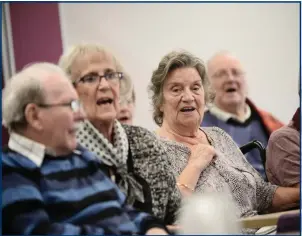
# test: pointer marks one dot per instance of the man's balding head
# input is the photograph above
(27, 86)
(227, 78)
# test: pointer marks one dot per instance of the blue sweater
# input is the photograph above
(66, 195)
(251, 130)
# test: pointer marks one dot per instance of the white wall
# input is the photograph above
(265, 36)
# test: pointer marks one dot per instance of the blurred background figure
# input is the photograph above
(127, 107)
(232, 111)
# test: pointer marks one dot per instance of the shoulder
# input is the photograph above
(268, 119)
(132, 130)
(216, 133)
(284, 136)
(222, 141)
(285, 131)
(141, 137)
(143, 143)
(15, 160)
(208, 116)
(18, 172)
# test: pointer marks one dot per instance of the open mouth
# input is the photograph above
(231, 90)
(103, 101)
(187, 109)
(124, 118)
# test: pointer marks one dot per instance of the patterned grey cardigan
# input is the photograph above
(146, 164)
(229, 171)
(149, 162)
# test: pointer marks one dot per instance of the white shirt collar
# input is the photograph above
(223, 115)
(32, 150)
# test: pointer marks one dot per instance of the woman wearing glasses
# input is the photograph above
(132, 156)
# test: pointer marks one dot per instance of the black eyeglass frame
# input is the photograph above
(119, 77)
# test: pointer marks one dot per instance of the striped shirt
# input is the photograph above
(63, 195)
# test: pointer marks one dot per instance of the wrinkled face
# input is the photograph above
(228, 80)
(59, 123)
(183, 98)
(125, 114)
(100, 98)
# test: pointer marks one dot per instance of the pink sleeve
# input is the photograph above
(283, 159)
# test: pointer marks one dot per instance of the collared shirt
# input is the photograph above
(31, 149)
(223, 115)
(62, 196)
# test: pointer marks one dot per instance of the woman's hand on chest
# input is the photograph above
(201, 155)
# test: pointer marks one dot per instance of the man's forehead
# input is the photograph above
(56, 85)
(224, 61)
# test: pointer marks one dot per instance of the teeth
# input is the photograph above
(188, 109)
(123, 118)
(104, 101)
(231, 90)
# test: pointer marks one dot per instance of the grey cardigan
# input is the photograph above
(229, 172)
(150, 163)
(146, 163)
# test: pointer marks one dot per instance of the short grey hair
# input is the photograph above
(170, 62)
(80, 51)
(24, 88)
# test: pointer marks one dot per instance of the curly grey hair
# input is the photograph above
(80, 52)
(170, 62)
(22, 89)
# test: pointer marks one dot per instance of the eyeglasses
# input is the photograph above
(75, 105)
(95, 78)
(224, 74)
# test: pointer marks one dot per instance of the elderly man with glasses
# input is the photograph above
(232, 111)
(51, 185)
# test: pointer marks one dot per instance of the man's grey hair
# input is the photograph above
(80, 52)
(24, 88)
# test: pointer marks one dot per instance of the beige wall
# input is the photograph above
(264, 35)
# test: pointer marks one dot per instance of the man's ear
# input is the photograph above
(32, 116)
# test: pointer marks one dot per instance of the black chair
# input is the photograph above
(252, 145)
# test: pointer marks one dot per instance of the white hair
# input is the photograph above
(79, 51)
(23, 88)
